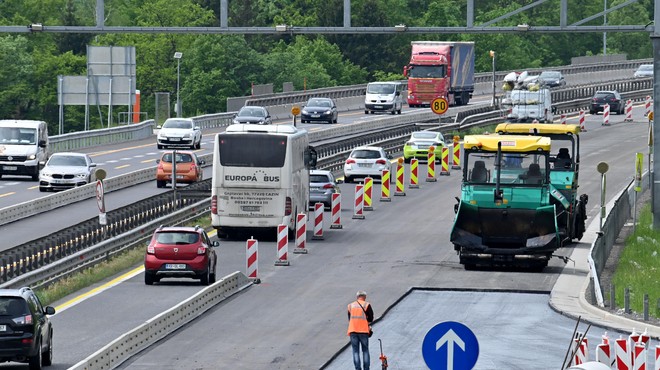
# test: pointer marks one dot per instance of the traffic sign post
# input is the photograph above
(295, 111)
(439, 106)
(450, 345)
(100, 201)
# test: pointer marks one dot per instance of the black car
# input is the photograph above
(251, 114)
(319, 109)
(552, 78)
(613, 98)
(26, 334)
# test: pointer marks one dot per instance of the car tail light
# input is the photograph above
(214, 204)
(27, 341)
(160, 166)
(328, 186)
(350, 161)
(287, 207)
(381, 161)
(151, 249)
(201, 250)
(23, 320)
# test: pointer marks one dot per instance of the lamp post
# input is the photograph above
(492, 55)
(177, 56)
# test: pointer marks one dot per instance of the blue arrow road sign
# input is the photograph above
(450, 345)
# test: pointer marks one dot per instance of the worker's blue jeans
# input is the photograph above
(357, 340)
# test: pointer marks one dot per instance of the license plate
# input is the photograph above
(378, 106)
(9, 168)
(179, 176)
(175, 266)
(364, 164)
(422, 146)
(316, 115)
(3, 327)
(250, 208)
(175, 139)
(315, 189)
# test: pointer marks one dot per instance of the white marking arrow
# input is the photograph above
(450, 338)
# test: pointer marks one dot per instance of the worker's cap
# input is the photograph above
(361, 293)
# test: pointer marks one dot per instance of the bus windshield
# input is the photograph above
(254, 150)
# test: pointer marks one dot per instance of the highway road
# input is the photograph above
(296, 318)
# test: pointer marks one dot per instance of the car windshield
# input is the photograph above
(365, 154)
(13, 307)
(380, 89)
(251, 112)
(177, 124)
(550, 75)
(67, 160)
(427, 71)
(177, 237)
(180, 158)
(18, 136)
(318, 178)
(319, 103)
(424, 135)
(604, 95)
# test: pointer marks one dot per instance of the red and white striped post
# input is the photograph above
(414, 164)
(629, 107)
(282, 245)
(639, 356)
(252, 263)
(456, 149)
(562, 118)
(622, 353)
(358, 212)
(581, 355)
(400, 184)
(445, 161)
(430, 165)
(581, 120)
(318, 221)
(603, 354)
(301, 234)
(606, 115)
(368, 191)
(385, 186)
(336, 211)
(656, 356)
(648, 105)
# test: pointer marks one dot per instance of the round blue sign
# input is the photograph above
(450, 345)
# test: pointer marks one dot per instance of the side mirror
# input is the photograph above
(157, 161)
(215, 244)
(42, 143)
(92, 164)
(554, 110)
(197, 128)
(389, 156)
(159, 126)
(48, 310)
(339, 181)
(398, 93)
(201, 162)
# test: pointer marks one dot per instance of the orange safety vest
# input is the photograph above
(358, 322)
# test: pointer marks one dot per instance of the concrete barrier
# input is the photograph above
(160, 326)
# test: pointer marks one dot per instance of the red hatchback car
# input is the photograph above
(180, 252)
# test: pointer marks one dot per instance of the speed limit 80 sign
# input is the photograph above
(439, 105)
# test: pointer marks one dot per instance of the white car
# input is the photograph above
(67, 170)
(179, 132)
(366, 161)
(644, 70)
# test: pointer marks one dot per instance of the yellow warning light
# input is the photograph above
(505, 201)
(473, 202)
(400, 160)
(650, 116)
(431, 148)
(456, 139)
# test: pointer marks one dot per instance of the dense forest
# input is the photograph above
(216, 66)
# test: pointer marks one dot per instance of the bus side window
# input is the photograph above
(310, 157)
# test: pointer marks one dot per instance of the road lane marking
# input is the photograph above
(122, 166)
(148, 160)
(116, 281)
(7, 194)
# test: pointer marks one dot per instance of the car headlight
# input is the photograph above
(261, 121)
(45, 173)
(81, 175)
(32, 156)
(328, 111)
(305, 111)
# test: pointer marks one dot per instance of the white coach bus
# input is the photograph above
(260, 177)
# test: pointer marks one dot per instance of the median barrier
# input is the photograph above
(160, 326)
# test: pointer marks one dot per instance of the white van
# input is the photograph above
(384, 97)
(23, 147)
(529, 106)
